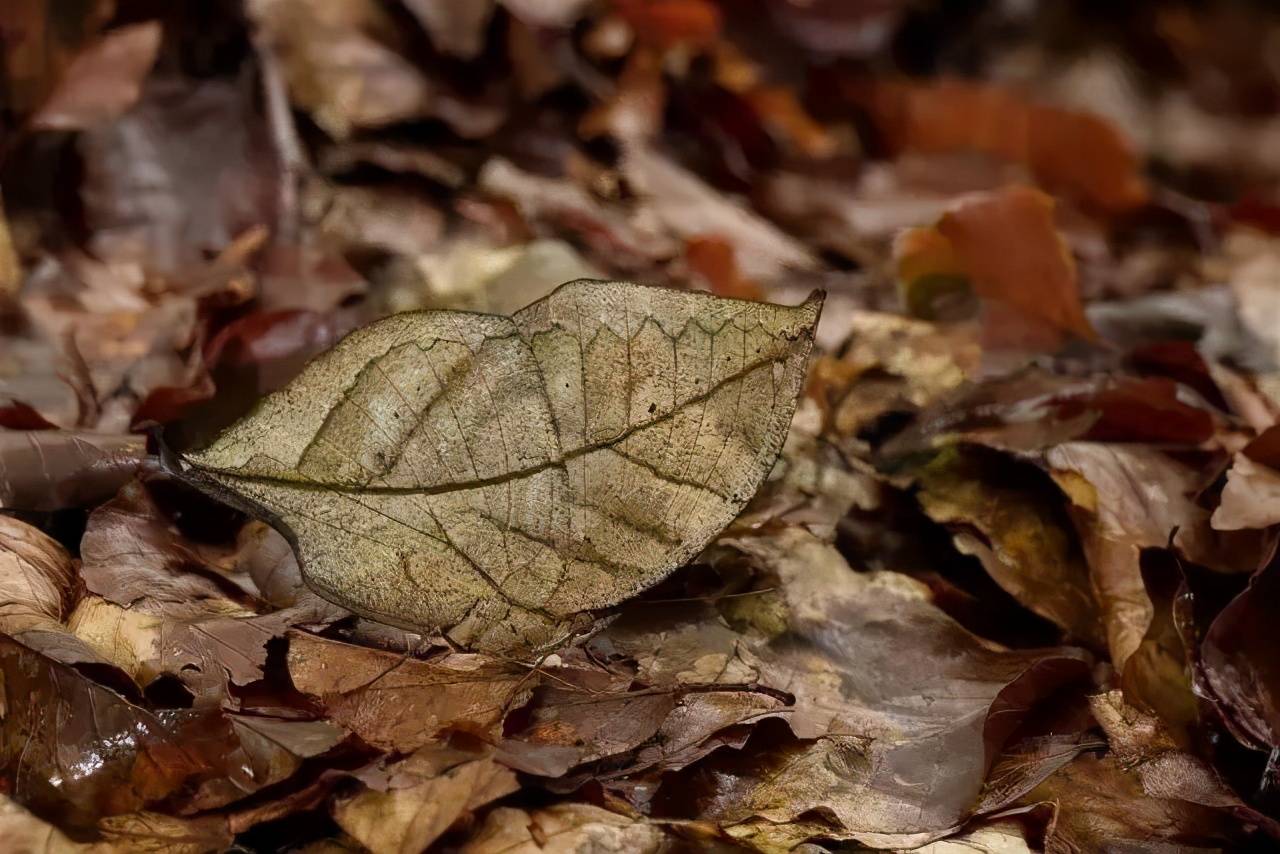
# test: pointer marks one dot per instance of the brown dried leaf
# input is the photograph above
(497, 478)
(1010, 249)
(902, 709)
(73, 748)
(103, 81)
(1239, 664)
(21, 832)
(1025, 540)
(1127, 498)
(399, 703)
(433, 790)
(197, 610)
(564, 827)
(42, 470)
(1075, 151)
(38, 588)
(1098, 805)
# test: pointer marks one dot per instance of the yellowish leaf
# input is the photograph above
(496, 477)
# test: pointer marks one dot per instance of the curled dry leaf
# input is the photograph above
(496, 477)
(1024, 538)
(898, 736)
(42, 470)
(37, 591)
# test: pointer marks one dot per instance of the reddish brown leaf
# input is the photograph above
(1010, 249)
(1074, 151)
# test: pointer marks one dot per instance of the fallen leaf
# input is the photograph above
(38, 589)
(1098, 804)
(1243, 676)
(874, 748)
(397, 702)
(1138, 498)
(409, 817)
(1023, 538)
(1141, 743)
(103, 81)
(545, 412)
(1251, 498)
(21, 832)
(77, 750)
(457, 29)
(199, 615)
(1009, 248)
(564, 827)
(691, 208)
(56, 469)
(1075, 151)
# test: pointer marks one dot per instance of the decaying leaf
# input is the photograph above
(37, 592)
(430, 790)
(191, 602)
(493, 477)
(79, 750)
(564, 827)
(1022, 537)
(1099, 805)
(401, 703)
(52, 470)
(24, 833)
(889, 760)
(1005, 246)
(103, 81)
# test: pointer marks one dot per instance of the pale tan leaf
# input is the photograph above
(496, 477)
(564, 827)
(22, 832)
(37, 589)
(406, 820)
(104, 81)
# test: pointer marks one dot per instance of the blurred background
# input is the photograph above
(199, 196)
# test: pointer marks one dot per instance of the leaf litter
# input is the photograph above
(979, 556)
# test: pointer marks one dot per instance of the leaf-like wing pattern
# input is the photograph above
(492, 477)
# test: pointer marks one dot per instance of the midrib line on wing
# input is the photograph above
(497, 480)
